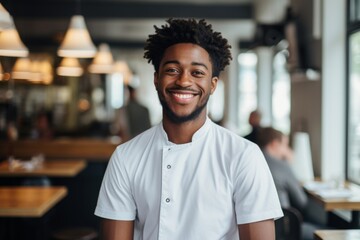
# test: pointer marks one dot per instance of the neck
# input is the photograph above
(180, 133)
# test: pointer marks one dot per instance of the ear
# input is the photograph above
(156, 80)
(214, 81)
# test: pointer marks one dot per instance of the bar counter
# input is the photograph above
(85, 148)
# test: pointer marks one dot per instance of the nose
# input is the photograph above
(184, 80)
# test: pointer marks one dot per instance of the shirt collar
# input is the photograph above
(197, 135)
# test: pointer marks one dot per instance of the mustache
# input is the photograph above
(179, 88)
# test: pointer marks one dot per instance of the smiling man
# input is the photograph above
(187, 178)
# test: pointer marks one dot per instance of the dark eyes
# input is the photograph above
(198, 73)
(171, 70)
(176, 71)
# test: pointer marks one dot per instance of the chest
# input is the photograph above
(179, 176)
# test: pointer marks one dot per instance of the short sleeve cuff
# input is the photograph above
(126, 216)
(274, 214)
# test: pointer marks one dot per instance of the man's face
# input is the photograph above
(283, 146)
(184, 82)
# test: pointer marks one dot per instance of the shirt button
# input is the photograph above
(167, 200)
(168, 166)
(169, 149)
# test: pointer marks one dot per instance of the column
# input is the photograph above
(264, 72)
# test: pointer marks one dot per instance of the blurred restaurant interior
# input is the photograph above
(66, 64)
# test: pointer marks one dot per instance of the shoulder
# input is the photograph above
(139, 141)
(235, 150)
(231, 140)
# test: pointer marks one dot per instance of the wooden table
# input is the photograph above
(351, 203)
(69, 148)
(29, 201)
(50, 168)
(337, 234)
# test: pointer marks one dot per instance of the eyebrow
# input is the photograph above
(177, 62)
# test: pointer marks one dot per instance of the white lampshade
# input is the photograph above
(41, 71)
(46, 70)
(123, 68)
(11, 44)
(5, 18)
(103, 61)
(70, 67)
(302, 163)
(77, 42)
(35, 71)
(22, 69)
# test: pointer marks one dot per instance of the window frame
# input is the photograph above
(353, 27)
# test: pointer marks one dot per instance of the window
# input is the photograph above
(247, 89)
(353, 137)
(353, 100)
(281, 94)
(217, 102)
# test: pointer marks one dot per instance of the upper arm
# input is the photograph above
(116, 230)
(263, 230)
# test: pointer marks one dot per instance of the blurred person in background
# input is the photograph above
(278, 154)
(43, 125)
(133, 118)
(254, 121)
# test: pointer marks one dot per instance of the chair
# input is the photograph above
(289, 226)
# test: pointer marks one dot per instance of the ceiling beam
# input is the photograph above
(36, 44)
(116, 9)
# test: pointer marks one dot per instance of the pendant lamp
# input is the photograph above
(123, 68)
(35, 72)
(77, 42)
(5, 18)
(11, 44)
(22, 69)
(69, 67)
(46, 70)
(103, 63)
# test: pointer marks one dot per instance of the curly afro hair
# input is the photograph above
(188, 31)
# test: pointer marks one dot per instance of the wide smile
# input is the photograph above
(183, 97)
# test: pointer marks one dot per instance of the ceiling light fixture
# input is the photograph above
(103, 63)
(22, 69)
(123, 68)
(5, 18)
(69, 67)
(11, 44)
(77, 42)
(41, 71)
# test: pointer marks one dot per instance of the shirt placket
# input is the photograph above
(166, 192)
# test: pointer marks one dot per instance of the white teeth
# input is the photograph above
(183, 96)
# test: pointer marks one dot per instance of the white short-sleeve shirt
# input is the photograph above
(198, 190)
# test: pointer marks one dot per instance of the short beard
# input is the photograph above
(182, 119)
